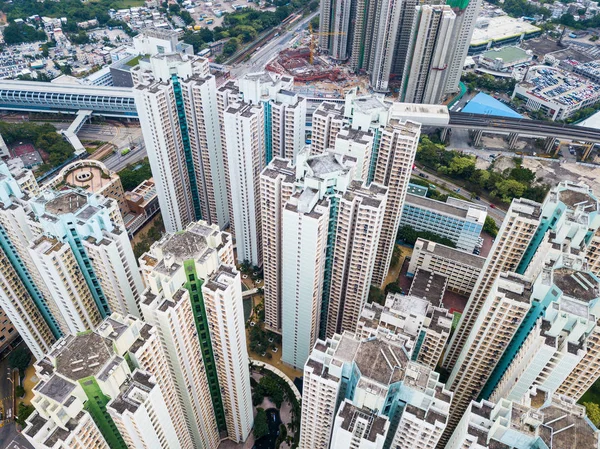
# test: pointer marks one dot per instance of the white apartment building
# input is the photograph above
(227, 94)
(327, 121)
(141, 416)
(91, 227)
(194, 297)
(357, 428)
(373, 380)
(461, 268)
(539, 420)
(243, 125)
(140, 343)
(380, 39)
(423, 326)
(360, 213)
(88, 396)
(72, 299)
(504, 309)
(284, 112)
(18, 305)
(428, 56)
(559, 340)
(515, 235)
(276, 187)
(395, 158)
(359, 145)
(462, 32)
(304, 243)
(177, 104)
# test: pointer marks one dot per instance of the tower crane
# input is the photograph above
(312, 40)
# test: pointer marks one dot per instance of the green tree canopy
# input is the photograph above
(261, 426)
(593, 412)
(19, 359)
(490, 226)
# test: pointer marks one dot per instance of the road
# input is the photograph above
(260, 58)
(6, 390)
(496, 213)
(10, 438)
(116, 162)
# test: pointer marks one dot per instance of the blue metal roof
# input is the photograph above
(487, 105)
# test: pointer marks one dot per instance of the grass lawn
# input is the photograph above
(122, 4)
(592, 395)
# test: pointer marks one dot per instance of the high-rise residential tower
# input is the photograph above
(395, 158)
(348, 380)
(177, 105)
(71, 254)
(466, 12)
(515, 234)
(244, 144)
(90, 395)
(506, 305)
(284, 112)
(276, 187)
(194, 298)
(424, 74)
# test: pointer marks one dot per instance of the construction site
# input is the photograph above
(309, 68)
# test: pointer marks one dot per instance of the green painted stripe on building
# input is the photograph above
(96, 407)
(194, 287)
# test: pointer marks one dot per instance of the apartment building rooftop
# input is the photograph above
(222, 278)
(573, 198)
(65, 203)
(326, 108)
(451, 253)
(369, 103)
(376, 424)
(326, 164)
(57, 388)
(429, 285)
(280, 167)
(132, 397)
(455, 209)
(381, 361)
(86, 354)
(577, 284)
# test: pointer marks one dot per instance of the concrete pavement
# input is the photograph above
(10, 438)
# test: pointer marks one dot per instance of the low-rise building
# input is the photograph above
(142, 203)
(556, 93)
(457, 220)
(461, 268)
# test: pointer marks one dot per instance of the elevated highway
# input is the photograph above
(522, 127)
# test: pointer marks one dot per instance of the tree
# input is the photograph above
(463, 166)
(133, 175)
(392, 287)
(261, 427)
(593, 412)
(19, 359)
(230, 47)
(17, 33)
(396, 255)
(376, 295)
(23, 412)
(19, 391)
(490, 226)
(507, 189)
